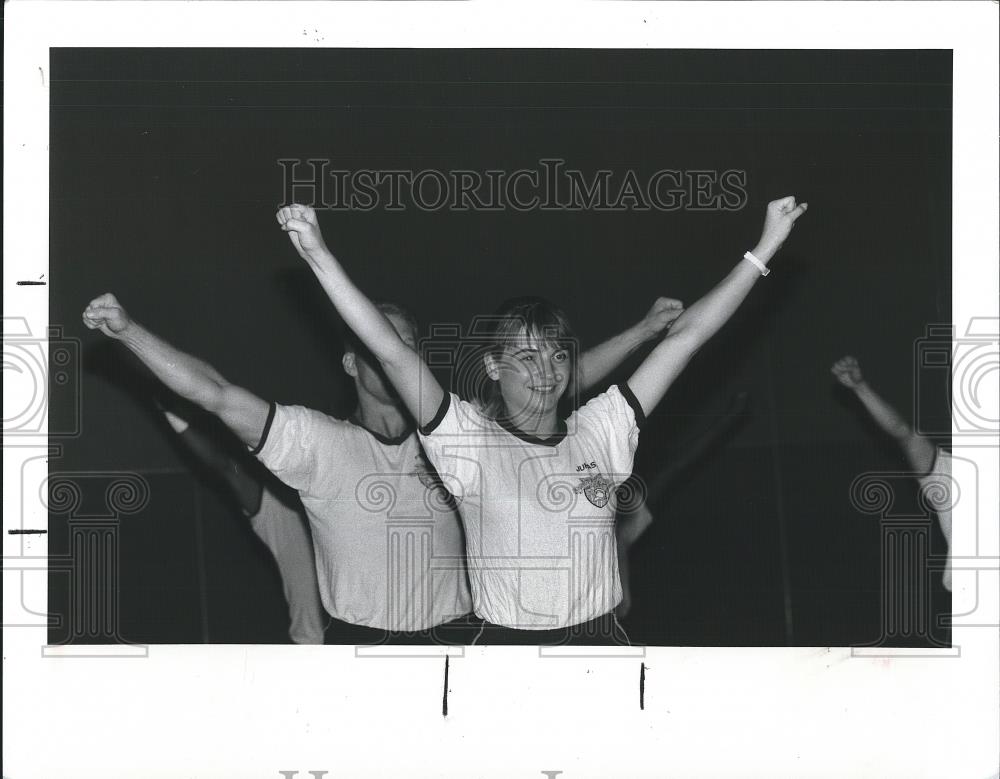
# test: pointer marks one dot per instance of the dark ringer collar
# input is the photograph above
(383, 439)
(552, 440)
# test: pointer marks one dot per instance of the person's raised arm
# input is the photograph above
(243, 485)
(412, 379)
(596, 363)
(703, 319)
(920, 452)
(193, 379)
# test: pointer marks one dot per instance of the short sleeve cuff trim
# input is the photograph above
(267, 429)
(633, 401)
(431, 426)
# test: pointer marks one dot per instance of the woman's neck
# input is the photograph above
(385, 419)
(540, 425)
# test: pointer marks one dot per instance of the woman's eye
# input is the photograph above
(560, 357)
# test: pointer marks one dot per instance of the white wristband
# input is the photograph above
(760, 266)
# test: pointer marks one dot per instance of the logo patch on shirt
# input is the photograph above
(597, 489)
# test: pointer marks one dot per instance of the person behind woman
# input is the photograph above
(931, 464)
(281, 525)
(536, 489)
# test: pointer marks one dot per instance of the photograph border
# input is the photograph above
(271, 711)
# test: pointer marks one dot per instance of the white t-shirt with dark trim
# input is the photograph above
(389, 550)
(538, 513)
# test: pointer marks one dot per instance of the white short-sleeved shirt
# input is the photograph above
(285, 531)
(538, 514)
(939, 494)
(389, 550)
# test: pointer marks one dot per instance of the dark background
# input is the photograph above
(164, 183)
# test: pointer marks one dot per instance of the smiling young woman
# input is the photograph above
(540, 540)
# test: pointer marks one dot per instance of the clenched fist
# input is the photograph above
(303, 229)
(106, 314)
(848, 372)
(781, 216)
(661, 315)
